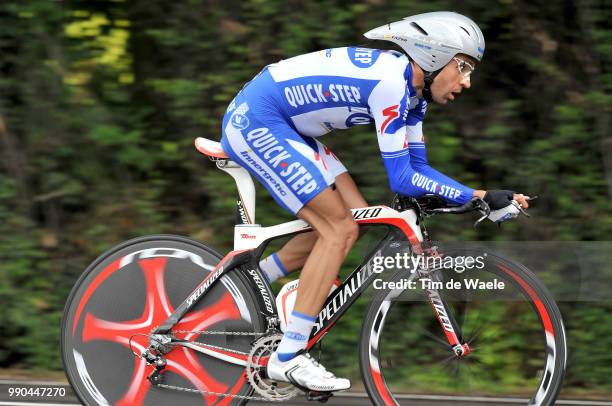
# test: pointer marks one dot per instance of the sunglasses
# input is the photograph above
(464, 67)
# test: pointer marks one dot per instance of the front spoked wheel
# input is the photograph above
(509, 320)
(132, 289)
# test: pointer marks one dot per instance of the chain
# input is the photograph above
(203, 392)
(218, 348)
(234, 333)
(218, 394)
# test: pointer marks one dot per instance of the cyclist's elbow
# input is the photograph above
(403, 186)
(395, 184)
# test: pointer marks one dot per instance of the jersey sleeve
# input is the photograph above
(400, 139)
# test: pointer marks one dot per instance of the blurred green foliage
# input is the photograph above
(100, 103)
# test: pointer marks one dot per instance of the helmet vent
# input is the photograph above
(418, 27)
(466, 31)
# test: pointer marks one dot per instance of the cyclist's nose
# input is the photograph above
(465, 82)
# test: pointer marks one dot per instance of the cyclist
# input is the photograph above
(271, 128)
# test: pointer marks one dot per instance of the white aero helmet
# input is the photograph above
(433, 39)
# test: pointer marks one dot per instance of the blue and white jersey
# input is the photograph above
(335, 89)
(338, 88)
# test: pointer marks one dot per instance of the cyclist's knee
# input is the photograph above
(332, 219)
(353, 232)
(341, 233)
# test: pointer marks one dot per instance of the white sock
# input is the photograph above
(272, 268)
(296, 335)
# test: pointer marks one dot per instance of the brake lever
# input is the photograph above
(523, 211)
(483, 208)
(480, 220)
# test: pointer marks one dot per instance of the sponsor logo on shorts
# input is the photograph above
(274, 153)
(358, 119)
(270, 179)
(239, 121)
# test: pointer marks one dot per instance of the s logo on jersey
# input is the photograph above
(391, 114)
(363, 57)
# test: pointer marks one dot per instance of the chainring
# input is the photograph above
(256, 371)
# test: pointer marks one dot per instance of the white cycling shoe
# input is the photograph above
(304, 372)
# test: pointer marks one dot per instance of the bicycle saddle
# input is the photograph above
(210, 148)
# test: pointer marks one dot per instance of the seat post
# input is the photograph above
(245, 205)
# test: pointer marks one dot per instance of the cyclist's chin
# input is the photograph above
(441, 99)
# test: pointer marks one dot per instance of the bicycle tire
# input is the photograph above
(382, 379)
(132, 288)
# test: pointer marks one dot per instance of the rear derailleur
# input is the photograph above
(159, 344)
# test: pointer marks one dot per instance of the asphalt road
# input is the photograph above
(61, 394)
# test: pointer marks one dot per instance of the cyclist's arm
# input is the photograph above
(407, 167)
(418, 158)
(449, 188)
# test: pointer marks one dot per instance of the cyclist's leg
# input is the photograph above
(337, 230)
(350, 193)
(293, 168)
(294, 253)
(286, 163)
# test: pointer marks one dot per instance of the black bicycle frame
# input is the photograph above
(233, 260)
(353, 286)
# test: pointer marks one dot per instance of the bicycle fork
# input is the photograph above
(448, 323)
(445, 316)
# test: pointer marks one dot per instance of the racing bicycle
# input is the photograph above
(164, 319)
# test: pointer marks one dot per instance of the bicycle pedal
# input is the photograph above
(322, 397)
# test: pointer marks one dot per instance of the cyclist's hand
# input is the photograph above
(498, 199)
(522, 200)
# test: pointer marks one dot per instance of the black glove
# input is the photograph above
(498, 199)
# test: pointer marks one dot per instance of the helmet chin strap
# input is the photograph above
(429, 78)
